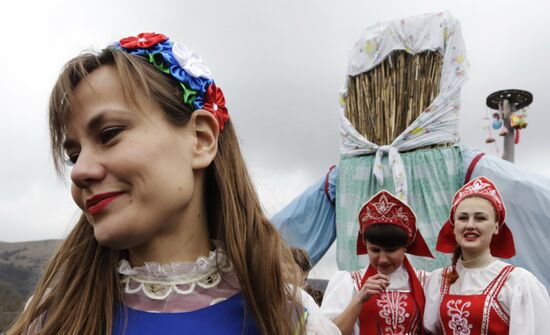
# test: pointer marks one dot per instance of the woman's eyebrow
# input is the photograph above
(93, 124)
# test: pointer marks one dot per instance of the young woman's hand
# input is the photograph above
(374, 285)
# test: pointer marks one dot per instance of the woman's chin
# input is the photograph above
(385, 270)
(472, 246)
(112, 241)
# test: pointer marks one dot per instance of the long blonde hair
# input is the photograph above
(79, 291)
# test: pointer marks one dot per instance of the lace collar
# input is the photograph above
(158, 281)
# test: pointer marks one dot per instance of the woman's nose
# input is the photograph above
(383, 258)
(87, 170)
(470, 223)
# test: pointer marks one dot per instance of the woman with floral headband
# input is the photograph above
(386, 297)
(172, 238)
(480, 294)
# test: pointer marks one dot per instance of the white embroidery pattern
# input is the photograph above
(383, 206)
(392, 309)
(501, 313)
(479, 187)
(459, 317)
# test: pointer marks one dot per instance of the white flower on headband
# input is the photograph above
(190, 61)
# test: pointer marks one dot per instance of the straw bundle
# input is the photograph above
(384, 101)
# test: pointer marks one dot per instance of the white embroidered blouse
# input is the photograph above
(523, 297)
(184, 287)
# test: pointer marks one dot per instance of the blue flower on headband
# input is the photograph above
(186, 66)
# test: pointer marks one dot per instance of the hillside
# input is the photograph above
(21, 264)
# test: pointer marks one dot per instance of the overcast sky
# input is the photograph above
(280, 64)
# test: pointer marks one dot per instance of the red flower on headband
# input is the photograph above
(143, 41)
(215, 104)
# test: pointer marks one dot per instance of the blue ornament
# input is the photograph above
(496, 124)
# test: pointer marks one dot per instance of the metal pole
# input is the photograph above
(509, 143)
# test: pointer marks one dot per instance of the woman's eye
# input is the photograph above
(108, 134)
(71, 159)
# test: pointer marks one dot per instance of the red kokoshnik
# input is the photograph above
(384, 208)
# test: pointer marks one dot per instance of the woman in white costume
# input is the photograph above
(478, 293)
(387, 296)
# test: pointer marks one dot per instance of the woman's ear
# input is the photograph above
(206, 132)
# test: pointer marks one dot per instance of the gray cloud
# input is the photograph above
(281, 65)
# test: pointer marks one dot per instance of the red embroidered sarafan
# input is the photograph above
(393, 312)
(474, 314)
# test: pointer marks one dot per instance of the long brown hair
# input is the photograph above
(79, 291)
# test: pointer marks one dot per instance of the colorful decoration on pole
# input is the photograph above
(510, 116)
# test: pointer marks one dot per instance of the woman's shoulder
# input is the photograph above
(522, 277)
(338, 294)
(431, 282)
(432, 275)
(345, 280)
(423, 276)
(342, 277)
(516, 274)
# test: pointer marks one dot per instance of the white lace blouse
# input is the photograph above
(523, 297)
(184, 287)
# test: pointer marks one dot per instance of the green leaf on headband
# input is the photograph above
(189, 95)
(157, 61)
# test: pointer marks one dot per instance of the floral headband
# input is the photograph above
(186, 66)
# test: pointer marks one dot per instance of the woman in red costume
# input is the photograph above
(480, 294)
(387, 296)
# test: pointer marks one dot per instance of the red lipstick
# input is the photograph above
(98, 202)
(470, 236)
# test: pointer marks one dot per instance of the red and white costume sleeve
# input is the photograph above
(496, 299)
(522, 302)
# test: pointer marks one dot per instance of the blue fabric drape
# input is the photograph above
(307, 222)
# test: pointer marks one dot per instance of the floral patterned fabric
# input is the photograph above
(439, 122)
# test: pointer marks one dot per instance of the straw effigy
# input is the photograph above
(384, 101)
